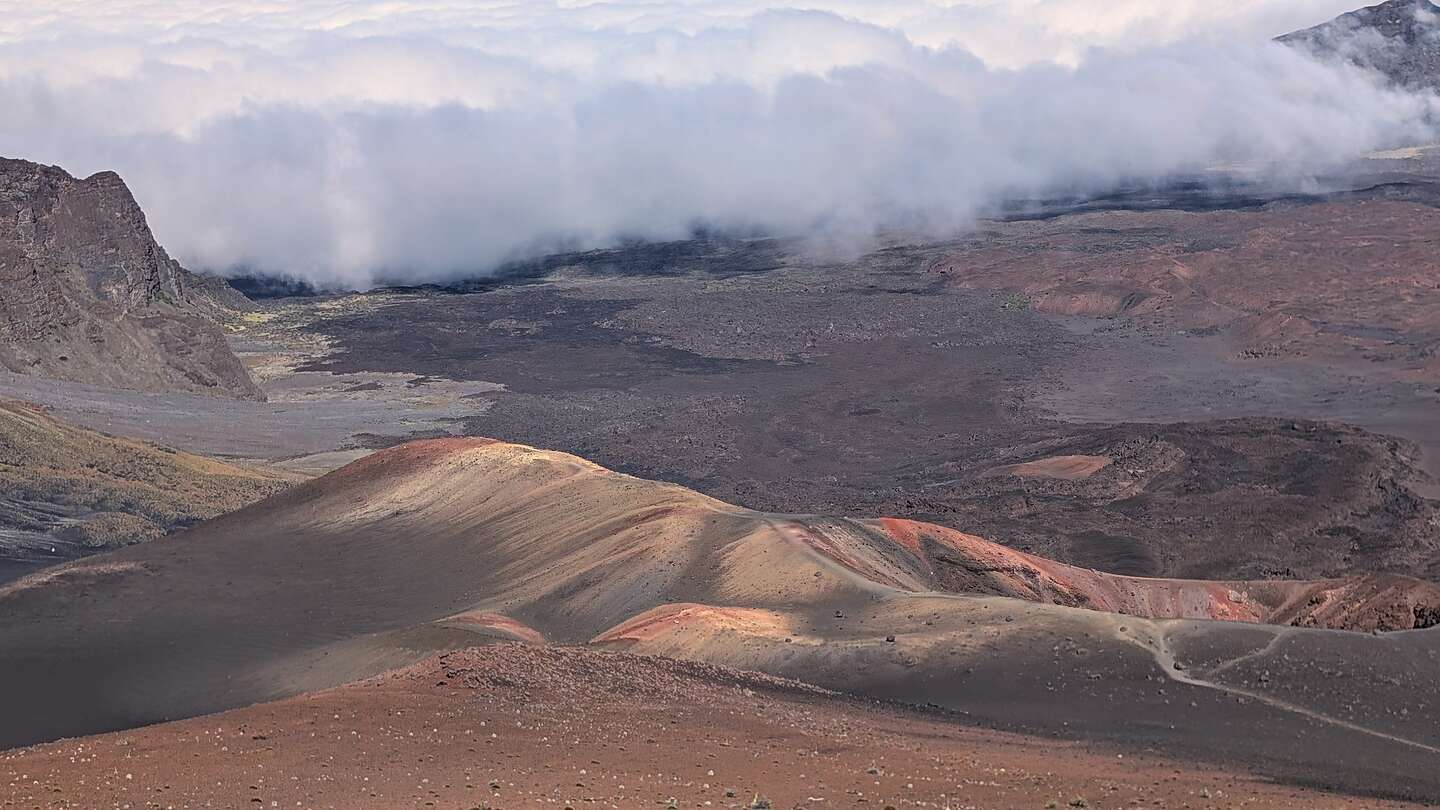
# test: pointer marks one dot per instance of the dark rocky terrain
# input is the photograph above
(1399, 38)
(88, 295)
(912, 381)
(1250, 498)
(1275, 424)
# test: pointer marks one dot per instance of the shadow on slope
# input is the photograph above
(449, 543)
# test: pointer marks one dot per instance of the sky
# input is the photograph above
(348, 143)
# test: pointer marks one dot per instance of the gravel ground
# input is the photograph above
(512, 726)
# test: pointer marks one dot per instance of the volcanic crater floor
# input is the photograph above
(519, 726)
(1102, 392)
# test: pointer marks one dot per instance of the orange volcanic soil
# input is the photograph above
(1061, 468)
(514, 726)
(967, 564)
(442, 545)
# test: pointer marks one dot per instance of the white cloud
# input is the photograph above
(1003, 32)
(341, 141)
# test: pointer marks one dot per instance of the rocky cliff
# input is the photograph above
(86, 293)
(1400, 39)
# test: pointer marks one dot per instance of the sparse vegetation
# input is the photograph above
(94, 491)
(1016, 303)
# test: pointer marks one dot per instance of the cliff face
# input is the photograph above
(86, 293)
(1400, 39)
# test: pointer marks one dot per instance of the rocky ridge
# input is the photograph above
(90, 296)
(1400, 39)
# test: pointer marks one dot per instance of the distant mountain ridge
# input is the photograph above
(1400, 39)
(87, 294)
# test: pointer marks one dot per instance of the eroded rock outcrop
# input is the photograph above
(88, 295)
(1400, 39)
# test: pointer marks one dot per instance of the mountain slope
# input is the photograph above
(66, 491)
(451, 543)
(1400, 39)
(90, 296)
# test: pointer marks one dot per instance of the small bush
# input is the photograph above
(1016, 303)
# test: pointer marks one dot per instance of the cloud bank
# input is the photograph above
(348, 142)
